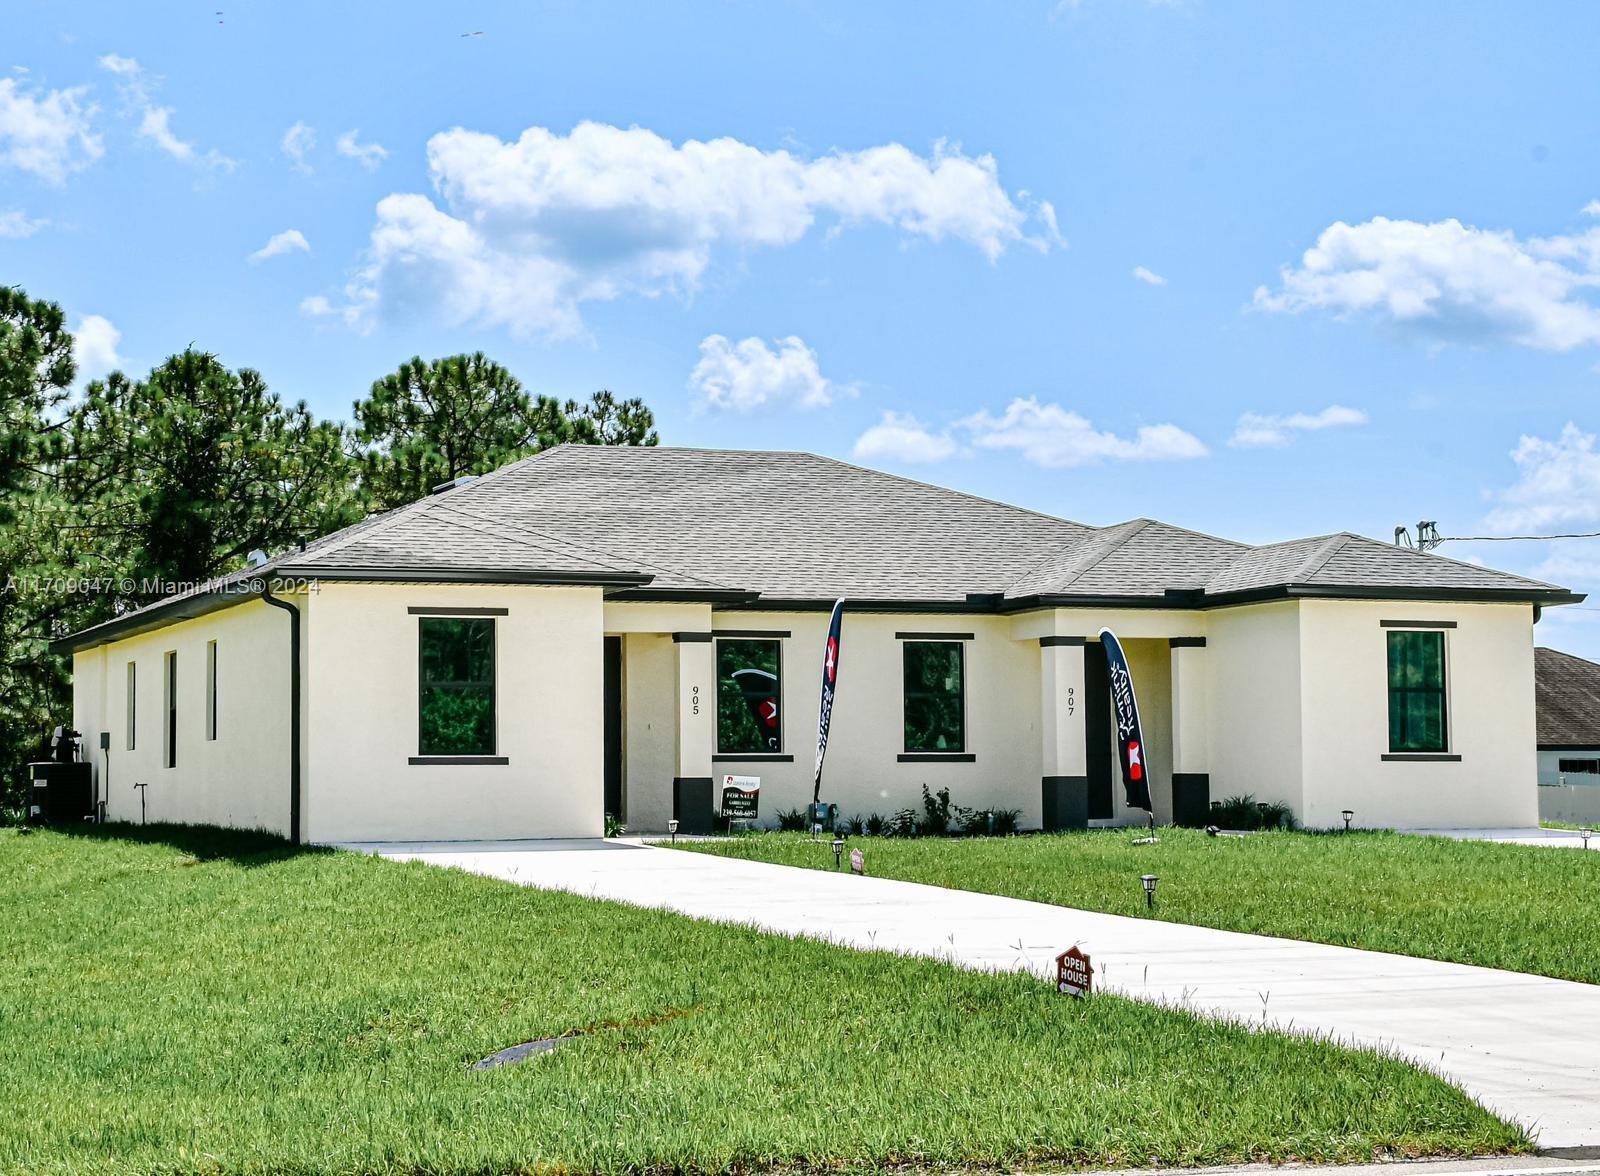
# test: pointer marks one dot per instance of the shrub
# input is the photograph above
(902, 824)
(857, 825)
(876, 823)
(614, 827)
(1245, 812)
(792, 820)
(936, 812)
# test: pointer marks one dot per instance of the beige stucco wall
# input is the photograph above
(1253, 683)
(361, 718)
(241, 778)
(1490, 708)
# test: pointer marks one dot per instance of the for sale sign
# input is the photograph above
(741, 797)
(1073, 972)
(858, 862)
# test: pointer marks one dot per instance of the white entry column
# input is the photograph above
(1065, 782)
(1191, 749)
(696, 731)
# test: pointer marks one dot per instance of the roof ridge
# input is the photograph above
(1110, 543)
(1319, 557)
(605, 553)
(1460, 563)
(1010, 506)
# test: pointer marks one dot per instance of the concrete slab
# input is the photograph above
(1549, 838)
(1526, 1046)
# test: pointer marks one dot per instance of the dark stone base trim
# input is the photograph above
(1066, 802)
(691, 804)
(1191, 799)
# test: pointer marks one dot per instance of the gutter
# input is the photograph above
(294, 710)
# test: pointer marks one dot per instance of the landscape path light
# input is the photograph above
(1586, 834)
(838, 851)
(672, 828)
(1348, 814)
(1148, 881)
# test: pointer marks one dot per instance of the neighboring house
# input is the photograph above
(1568, 693)
(520, 654)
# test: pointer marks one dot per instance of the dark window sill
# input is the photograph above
(755, 757)
(458, 760)
(1420, 757)
(937, 757)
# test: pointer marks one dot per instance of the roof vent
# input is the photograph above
(256, 558)
(453, 483)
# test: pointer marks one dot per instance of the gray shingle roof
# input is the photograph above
(1566, 699)
(794, 527)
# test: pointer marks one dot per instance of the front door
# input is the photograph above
(613, 726)
(1097, 732)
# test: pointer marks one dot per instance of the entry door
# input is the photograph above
(613, 726)
(1097, 732)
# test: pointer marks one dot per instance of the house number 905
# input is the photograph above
(694, 700)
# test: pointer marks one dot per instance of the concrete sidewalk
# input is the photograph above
(1548, 838)
(1528, 1047)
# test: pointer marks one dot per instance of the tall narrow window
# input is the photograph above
(133, 694)
(456, 704)
(748, 690)
(935, 696)
(1417, 691)
(211, 689)
(169, 748)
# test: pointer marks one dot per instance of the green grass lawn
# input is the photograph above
(1520, 907)
(178, 1000)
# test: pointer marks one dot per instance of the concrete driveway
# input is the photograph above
(1528, 1047)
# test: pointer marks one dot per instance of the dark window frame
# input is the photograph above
(1393, 635)
(424, 684)
(907, 694)
(211, 691)
(133, 704)
(169, 749)
(776, 642)
(1578, 767)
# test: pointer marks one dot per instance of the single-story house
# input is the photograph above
(572, 635)
(1568, 715)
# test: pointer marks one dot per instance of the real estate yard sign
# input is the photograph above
(741, 797)
(1125, 709)
(1073, 972)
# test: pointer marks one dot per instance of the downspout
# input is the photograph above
(294, 711)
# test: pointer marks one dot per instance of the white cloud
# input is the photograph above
(48, 133)
(1256, 430)
(368, 155)
(901, 437)
(16, 224)
(296, 144)
(1592, 208)
(1054, 437)
(155, 122)
(1451, 282)
(528, 231)
(94, 346)
(1148, 277)
(288, 241)
(1558, 484)
(749, 374)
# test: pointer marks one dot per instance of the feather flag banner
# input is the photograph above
(1125, 712)
(830, 679)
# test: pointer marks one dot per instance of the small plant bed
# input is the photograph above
(1521, 908)
(193, 1001)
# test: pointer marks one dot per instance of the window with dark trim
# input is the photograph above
(169, 749)
(455, 703)
(935, 696)
(1579, 767)
(211, 690)
(749, 693)
(1417, 717)
(133, 695)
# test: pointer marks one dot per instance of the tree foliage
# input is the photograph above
(433, 421)
(185, 472)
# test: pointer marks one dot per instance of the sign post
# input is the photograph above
(1073, 973)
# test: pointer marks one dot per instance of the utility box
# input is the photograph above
(60, 794)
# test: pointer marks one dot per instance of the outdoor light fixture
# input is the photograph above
(1347, 814)
(672, 827)
(1148, 881)
(1586, 834)
(838, 851)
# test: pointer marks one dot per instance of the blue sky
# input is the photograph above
(1051, 253)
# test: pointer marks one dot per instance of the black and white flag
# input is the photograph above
(1125, 710)
(830, 679)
